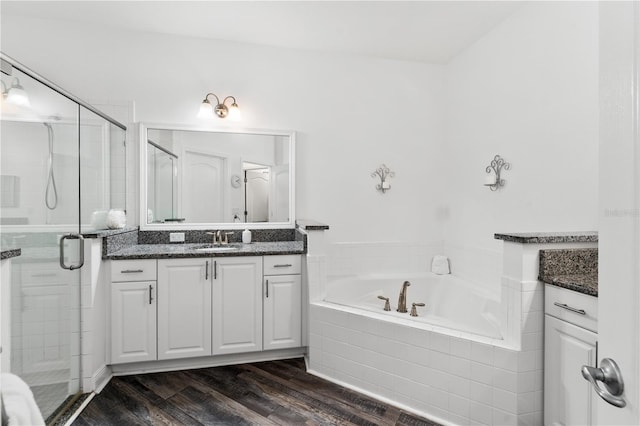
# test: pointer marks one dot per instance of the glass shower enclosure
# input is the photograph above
(61, 163)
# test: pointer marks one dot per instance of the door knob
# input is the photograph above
(609, 374)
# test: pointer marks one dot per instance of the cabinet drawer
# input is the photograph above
(43, 273)
(568, 305)
(133, 270)
(282, 264)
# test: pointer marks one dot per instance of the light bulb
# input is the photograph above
(234, 112)
(206, 110)
(17, 95)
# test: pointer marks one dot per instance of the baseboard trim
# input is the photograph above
(100, 378)
(204, 362)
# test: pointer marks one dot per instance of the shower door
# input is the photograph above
(39, 211)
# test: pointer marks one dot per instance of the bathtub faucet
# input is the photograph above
(402, 300)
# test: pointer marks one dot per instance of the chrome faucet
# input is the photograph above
(217, 237)
(402, 300)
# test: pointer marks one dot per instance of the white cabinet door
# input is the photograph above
(568, 398)
(282, 311)
(133, 321)
(237, 305)
(184, 308)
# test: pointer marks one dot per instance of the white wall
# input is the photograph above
(528, 91)
(351, 113)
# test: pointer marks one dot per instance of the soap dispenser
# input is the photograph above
(246, 236)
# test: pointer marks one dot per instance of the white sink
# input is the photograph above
(216, 249)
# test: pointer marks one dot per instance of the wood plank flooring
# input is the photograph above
(264, 393)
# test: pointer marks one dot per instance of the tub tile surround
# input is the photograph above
(435, 372)
(445, 377)
(574, 269)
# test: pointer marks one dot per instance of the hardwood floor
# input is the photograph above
(264, 393)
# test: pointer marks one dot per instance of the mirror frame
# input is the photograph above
(142, 140)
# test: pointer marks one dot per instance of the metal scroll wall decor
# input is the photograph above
(383, 173)
(493, 180)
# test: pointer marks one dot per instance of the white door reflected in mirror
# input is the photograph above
(216, 178)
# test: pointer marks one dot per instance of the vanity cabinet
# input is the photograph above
(282, 317)
(184, 308)
(133, 311)
(193, 307)
(570, 342)
(237, 304)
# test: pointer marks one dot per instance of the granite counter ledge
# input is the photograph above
(549, 237)
(581, 283)
(573, 269)
(311, 225)
(103, 233)
(10, 253)
(171, 251)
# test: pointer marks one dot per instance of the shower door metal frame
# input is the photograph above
(7, 64)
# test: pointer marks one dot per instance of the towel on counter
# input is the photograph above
(17, 400)
(440, 265)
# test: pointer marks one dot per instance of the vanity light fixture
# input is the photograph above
(16, 94)
(384, 173)
(493, 179)
(221, 109)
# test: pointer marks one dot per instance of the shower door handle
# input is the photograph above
(71, 236)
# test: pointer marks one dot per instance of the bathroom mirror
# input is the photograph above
(196, 178)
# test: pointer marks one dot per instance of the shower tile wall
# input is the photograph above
(44, 329)
(387, 257)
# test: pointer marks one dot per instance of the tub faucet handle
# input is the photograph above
(414, 311)
(387, 307)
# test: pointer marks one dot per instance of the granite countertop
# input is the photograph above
(573, 269)
(168, 251)
(10, 253)
(102, 233)
(582, 283)
(549, 237)
(311, 225)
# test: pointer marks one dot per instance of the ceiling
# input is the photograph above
(420, 31)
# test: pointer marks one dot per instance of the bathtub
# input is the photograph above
(451, 303)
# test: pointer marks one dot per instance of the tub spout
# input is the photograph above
(402, 300)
